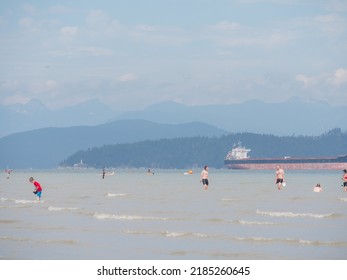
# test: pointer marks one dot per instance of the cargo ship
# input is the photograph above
(238, 158)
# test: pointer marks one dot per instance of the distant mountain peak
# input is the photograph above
(165, 105)
(32, 106)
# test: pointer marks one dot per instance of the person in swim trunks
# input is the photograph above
(344, 179)
(38, 188)
(279, 177)
(204, 177)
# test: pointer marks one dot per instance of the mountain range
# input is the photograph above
(47, 147)
(292, 117)
(34, 136)
(34, 114)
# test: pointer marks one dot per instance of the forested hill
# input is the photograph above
(198, 151)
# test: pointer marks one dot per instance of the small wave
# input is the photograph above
(12, 238)
(201, 235)
(319, 243)
(116, 194)
(170, 234)
(174, 234)
(230, 199)
(253, 223)
(294, 215)
(137, 232)
(102, 216)
(254, 239)
(314, 242)
(292, 241)
(4, 199)
(343, 199)
(51, 208)
(24, 201)
(63, 242)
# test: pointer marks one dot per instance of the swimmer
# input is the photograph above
(318, 188)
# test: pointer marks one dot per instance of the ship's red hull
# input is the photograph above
(289, 166)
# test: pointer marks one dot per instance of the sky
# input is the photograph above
(135, 53)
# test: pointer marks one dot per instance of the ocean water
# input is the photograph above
(168, 215)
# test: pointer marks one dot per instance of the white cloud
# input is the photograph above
(325, 86)
(16, 98)
(9, 85)
(159, 35)
(45, 86)
(97, 17)
(60, 9)
(26, 22)
(29, 9)
(329, 18)
(332, 24)
(127, 77)
(232, 34)
(226, 26)
(221, 51)
(51, 84)
(305, 80)
(94, 51)
(339, 77)
(82, 51)
(336, 5)
(101, 25)
(269, 40)
(144, 27)
(69, 31)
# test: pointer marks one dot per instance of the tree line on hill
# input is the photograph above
(198, 151)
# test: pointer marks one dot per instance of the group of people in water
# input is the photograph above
(279, 180)
(318, 188)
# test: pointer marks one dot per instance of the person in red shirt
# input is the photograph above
(38, 189)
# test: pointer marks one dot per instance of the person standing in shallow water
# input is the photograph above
(344, 179)
(38, 188)
(279, 177)
(318, 188)
(204, 177)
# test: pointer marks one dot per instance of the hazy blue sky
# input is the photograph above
(133, 53)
